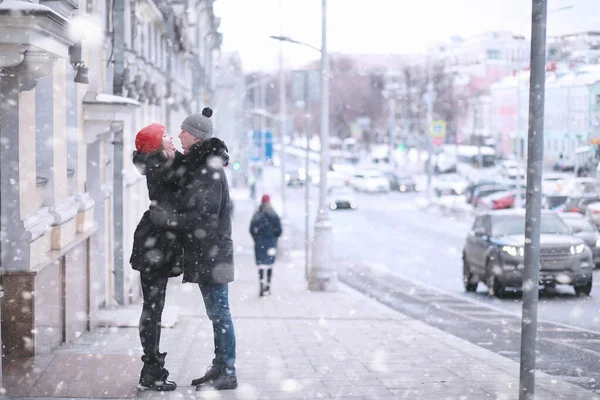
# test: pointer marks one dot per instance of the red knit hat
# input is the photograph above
(150, 138)
(266, 199)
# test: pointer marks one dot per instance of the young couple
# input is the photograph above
(187, 230)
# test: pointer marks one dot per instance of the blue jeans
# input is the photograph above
(216, 301)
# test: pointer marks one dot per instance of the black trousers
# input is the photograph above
(261, 273)
(154, 289)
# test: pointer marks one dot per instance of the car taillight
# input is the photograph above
(595, 211)
(574, 209)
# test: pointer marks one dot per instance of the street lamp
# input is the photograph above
(322, 276)
(290, 40)
(391, 93)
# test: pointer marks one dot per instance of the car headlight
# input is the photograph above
(402, 188)
(577, 249)
(287, 177)
(513, 251)
(598, 243)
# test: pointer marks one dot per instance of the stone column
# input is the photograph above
(65, 209)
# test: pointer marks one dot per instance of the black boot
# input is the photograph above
(154, 375)
(216, 380)
(211, 373)
(224, 382)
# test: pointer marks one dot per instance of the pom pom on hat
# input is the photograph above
(207, 112)
(266, 199)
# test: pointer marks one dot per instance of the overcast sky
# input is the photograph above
(380, 26)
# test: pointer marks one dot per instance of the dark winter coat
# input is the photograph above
(265, 229)
(157, 250)
(201, 212)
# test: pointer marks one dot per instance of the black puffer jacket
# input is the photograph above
(156, 250)
(201, 212)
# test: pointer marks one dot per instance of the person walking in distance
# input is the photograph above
(156, 252)
(201, 212)
(265, 229)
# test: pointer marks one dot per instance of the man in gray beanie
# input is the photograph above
(195, 128)
(201, 212)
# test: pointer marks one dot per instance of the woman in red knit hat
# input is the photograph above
(156, 252)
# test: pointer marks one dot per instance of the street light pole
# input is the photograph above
(535, 153)
(282, 115)
(392, 130)
(429, 102)
(323, 276)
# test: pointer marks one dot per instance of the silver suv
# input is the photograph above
(494, 253)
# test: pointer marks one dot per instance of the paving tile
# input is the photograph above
(351, 382)
(358, 391)
(89, 375)
(21, 373)
(428, 393)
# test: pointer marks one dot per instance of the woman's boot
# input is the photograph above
(154, 375)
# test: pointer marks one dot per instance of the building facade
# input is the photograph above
(478, 62)
(78, 79)
(571, 114)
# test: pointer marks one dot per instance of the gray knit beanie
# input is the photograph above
(199, 125)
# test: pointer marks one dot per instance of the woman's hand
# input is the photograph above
(169, 153)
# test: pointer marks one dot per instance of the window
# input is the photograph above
(492, 54)
(479, 225)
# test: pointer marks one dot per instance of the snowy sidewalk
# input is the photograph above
(292, 345)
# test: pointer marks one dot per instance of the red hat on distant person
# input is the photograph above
(150, 138)
(266, 199)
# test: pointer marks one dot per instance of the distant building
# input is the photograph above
(571, 113)
(478, 62)
(576, 48)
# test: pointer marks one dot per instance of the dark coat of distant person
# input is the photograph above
(265, 229)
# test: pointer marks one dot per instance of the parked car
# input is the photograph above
(295, 177)
(487, 190)
(402, 183)
(452, 184)
(564, 166)
(579, 204)
(581, 187)
(474, 185)
(501, 200)
(552, 183)
(340, 197)
(371, 181)
(556, 202)
(512, 170)
(494, 253)
(592, 213)
(584, 229)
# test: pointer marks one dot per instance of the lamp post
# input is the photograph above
(322, 276)
(391, 93)
(282, 116)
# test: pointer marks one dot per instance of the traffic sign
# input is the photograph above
(438, 129)
(438, 132)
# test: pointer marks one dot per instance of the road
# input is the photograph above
(391, 231)
(420, 250)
